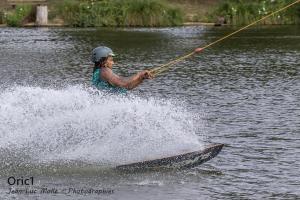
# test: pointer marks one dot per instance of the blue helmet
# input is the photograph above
(101, 52)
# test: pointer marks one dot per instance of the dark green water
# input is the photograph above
(243, 92)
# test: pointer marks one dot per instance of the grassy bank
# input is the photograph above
(146, 13)
(239, 12)
(14, 18)
(2, 16)
(150, 13)
(197, 10)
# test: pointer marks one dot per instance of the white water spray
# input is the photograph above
(75, 124)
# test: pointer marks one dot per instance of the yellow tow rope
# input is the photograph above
(162, 68)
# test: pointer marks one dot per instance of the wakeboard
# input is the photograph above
(181, 161)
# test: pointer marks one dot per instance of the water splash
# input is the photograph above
(79, 124)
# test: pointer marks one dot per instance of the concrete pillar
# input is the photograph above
(41, 15)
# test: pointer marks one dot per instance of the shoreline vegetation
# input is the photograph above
(152, 13)
(145, 13)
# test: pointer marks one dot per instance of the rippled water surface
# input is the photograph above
(243, 92)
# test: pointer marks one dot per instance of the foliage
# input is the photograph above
(17, 17)
(243, 12)
(90, 13)
(2, 16)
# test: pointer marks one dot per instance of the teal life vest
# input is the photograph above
(104, 85)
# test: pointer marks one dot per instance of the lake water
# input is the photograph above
(243, 92)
